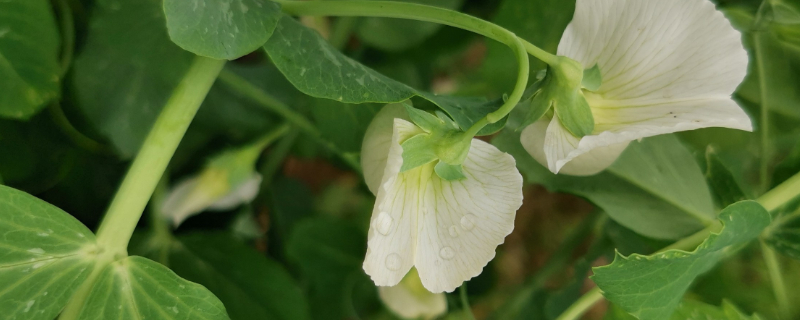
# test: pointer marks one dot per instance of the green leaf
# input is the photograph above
(650, 287)
(122, 100)
(319, 70)
(139, 288)
(221, 29)
(29, 70)
(45, 254)
(250, 285)
(691, 310)
(449, 172)
(720, 179)
(656, 198)
(400, 34)
(343, 124)
(417, 151)
(592, 79)
(784, 236)
(329, 253)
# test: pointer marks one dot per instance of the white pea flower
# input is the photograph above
(448, 230)
(410, 300)
(666, 66)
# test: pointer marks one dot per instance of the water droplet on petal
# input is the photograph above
(468, 221)
(453, 230)
(393, 262)
(383, 223)
(447, 253)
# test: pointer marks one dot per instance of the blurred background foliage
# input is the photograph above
(296, 251)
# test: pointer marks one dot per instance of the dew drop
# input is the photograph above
(453, 230)
(393, 262)
(447, 253)
(468, 221)
(383, 223)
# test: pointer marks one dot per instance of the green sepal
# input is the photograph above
(539, 106)
(575, 114)
(423, 119)
(592, 78)
(417, 151)
(447, 120)
(449, 172)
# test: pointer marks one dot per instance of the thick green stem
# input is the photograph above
(388, 9)
(774, 199)
(126, 209)
(764, 125)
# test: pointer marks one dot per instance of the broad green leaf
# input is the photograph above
(784, 236)
(650, 287)
(139, 288)
(725, 188)
(656, 198)
(45, 254)
(250, 285)
(400, 34)
(691, 310)
(122, 100)
(221, 29)
(329, 253)
(319, 70)
(29, 44)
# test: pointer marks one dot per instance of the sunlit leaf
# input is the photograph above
(139, 288)
(691, 310)
(29, 44)
(650, 287)
(722, 182)
(221, 29)
(45, 254)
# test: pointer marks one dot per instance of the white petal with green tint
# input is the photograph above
(377, 140)
(410, 300)
(45, 254)
(666, 66)
(447, 229)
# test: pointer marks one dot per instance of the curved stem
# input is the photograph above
(67, 36)
(388, 9)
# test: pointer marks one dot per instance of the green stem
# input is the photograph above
(67, 35)
(776, 278)
(462, 293)
(270, 167)
(774, 199)
(403, 10)
(143, 176)
(78, 138)
(764, 127)
(251, 152)
(247, 89)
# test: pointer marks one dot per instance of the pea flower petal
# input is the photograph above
(666, 66)
(207, 191)
(448, 230)
(410, 300)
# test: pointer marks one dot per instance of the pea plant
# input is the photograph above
(561, 159)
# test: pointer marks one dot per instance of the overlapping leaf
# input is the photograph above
(45, 254)
(656, 198)
(221, 29)
(651, 287)
(319, 70)
(29, 44)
